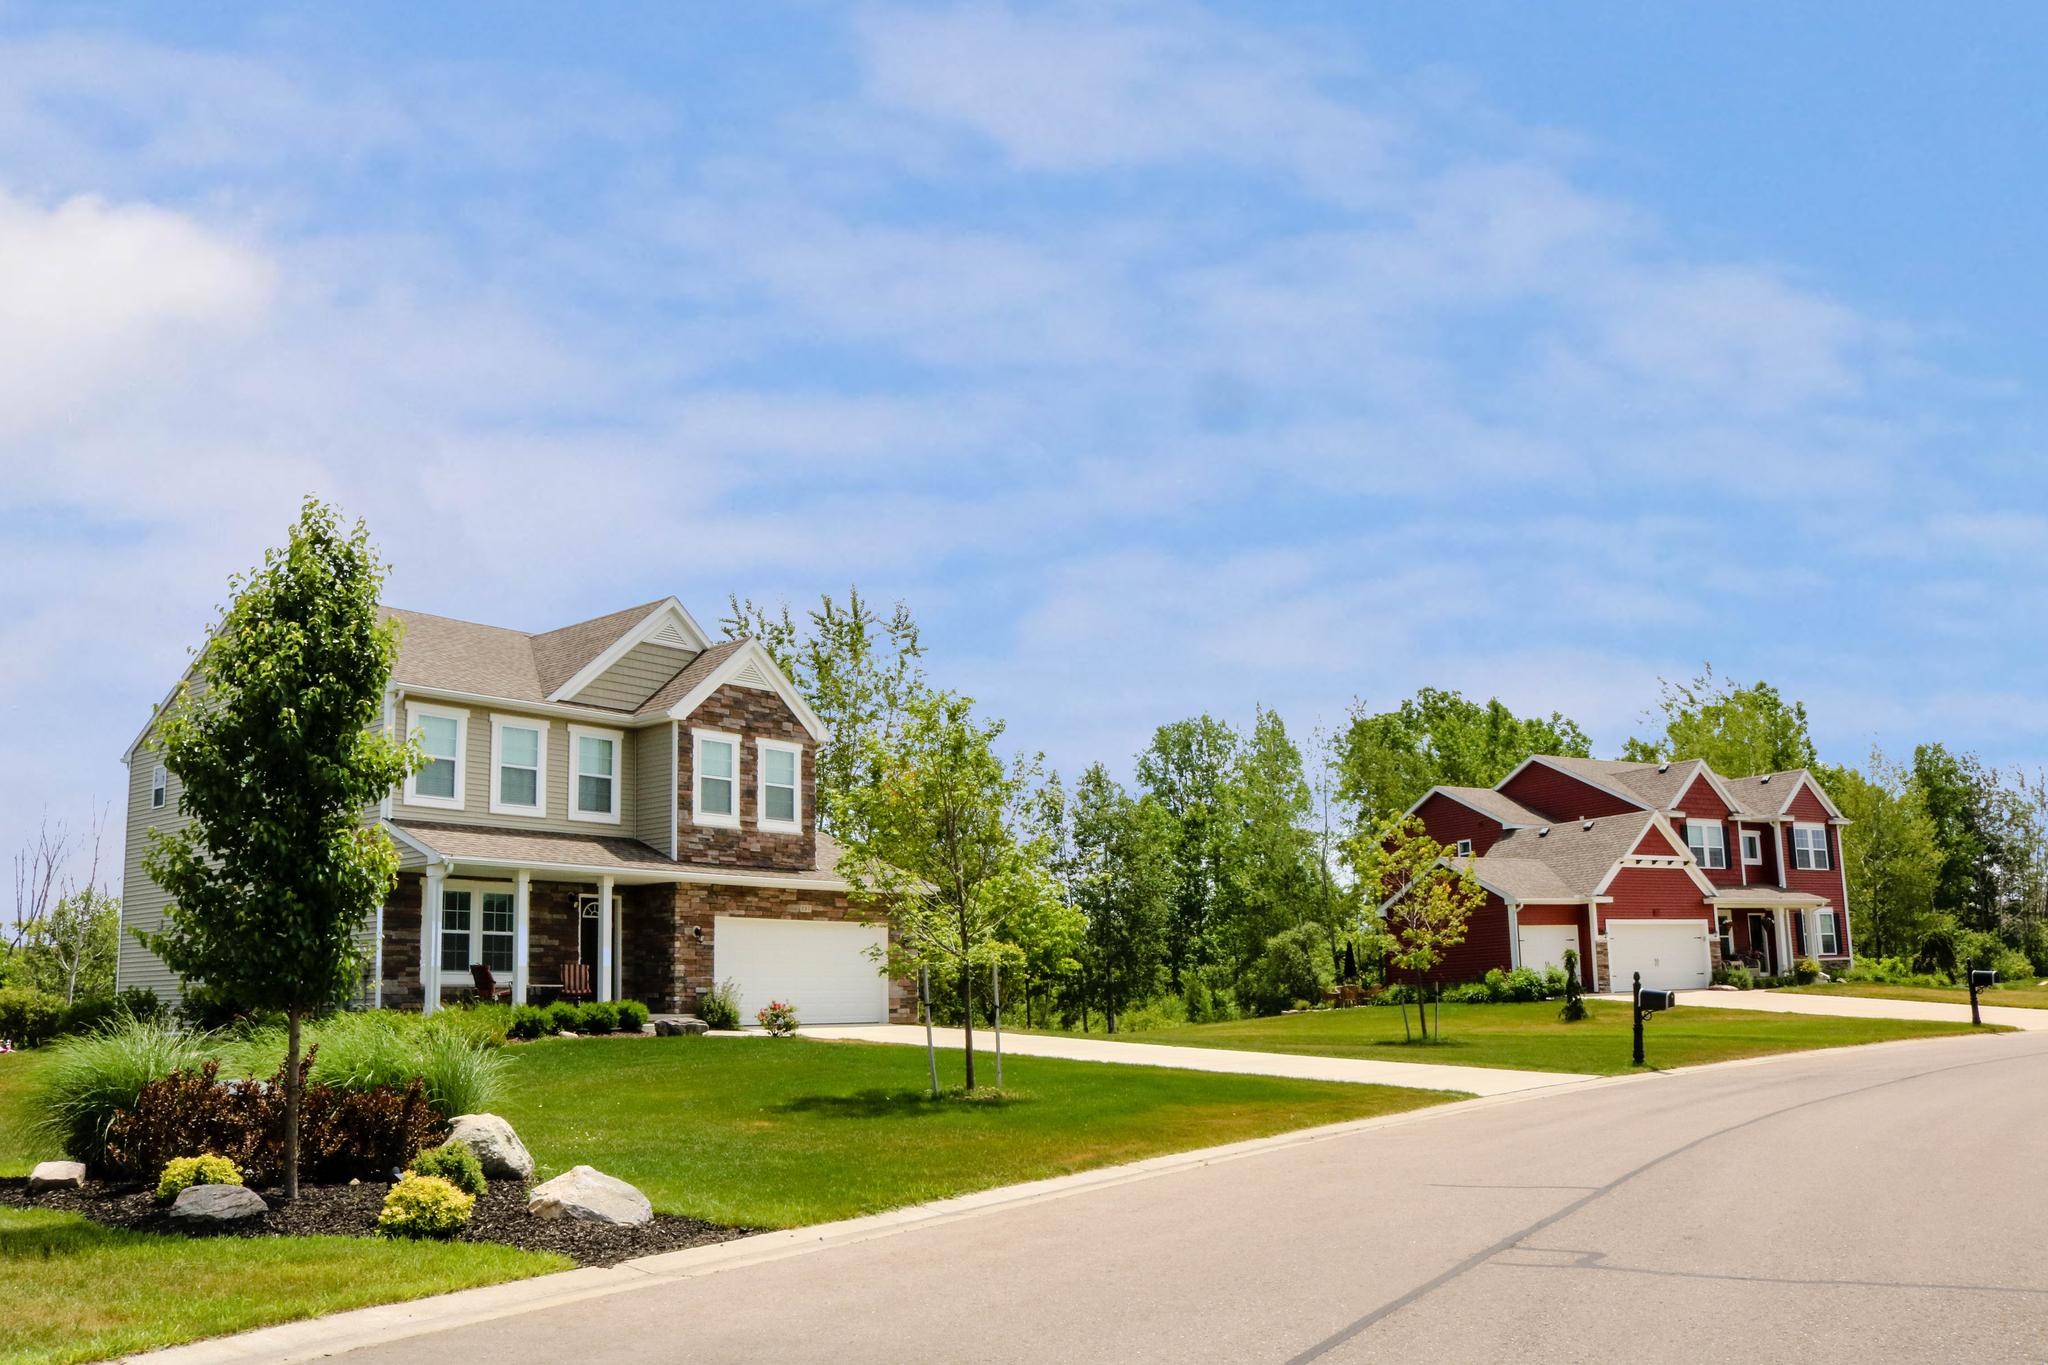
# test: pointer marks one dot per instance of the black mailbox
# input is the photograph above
(1981, 978)
(1657, 1000)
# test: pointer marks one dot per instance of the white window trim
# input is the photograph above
(414, 710)
(159, 787)
(1752, 838)
(761, 820)
(1719, 843)
(1825, 854)
(499, 724)
(1463, 848)
(477, 892)
(617, 739)
(697, 813)
(1825, 927)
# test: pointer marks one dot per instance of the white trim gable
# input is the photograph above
(1792, 794)
(1631, 859)
(668, 624)
(1713, 780)
(748, 659)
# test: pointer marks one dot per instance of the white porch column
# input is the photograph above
(1784, 941)
(522, 900)
(619, 953)
(1592, 962)
(603, 984)
(430, 937)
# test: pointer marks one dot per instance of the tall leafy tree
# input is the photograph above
(1387, 759)
(1739, 731)
(275, 742)
(1979, 835)
(1185, 769)
(936, 843)
(1889, 854)
(858, 669)
(1125, 884)
(1266, 845)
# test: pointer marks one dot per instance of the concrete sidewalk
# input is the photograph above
(1860, 1007)
(1474, 1080)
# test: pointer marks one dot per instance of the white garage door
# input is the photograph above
(1671, 954)
(1543, 945)
(822, 968)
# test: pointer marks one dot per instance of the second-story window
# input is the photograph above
(780, 800)
(1753, 847)
(442, 732)
(159, 784)
(1708, 842)
(715, 764)
(1810, 847)
(593, 774)
(519, 758)
(1464, 848)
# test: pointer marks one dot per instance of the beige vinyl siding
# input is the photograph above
(477, 777)
(637, 675)
(142, 900)
(652, 762)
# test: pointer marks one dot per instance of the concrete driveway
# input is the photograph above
(1877, 1203)
(1421, 1075)
(1859, 1007)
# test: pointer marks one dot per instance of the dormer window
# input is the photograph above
(593, 774)
(1810, 847)
(443, 734)
(519, 765)
(159, 785)
(1708, 842)
(1464, 848)
(779, 802)
(715, 763)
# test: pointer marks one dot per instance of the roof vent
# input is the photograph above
(1586, 823)
(1543, 832)
(1765, 780)
(1663, 767)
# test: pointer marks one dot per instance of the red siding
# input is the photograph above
(1766, 872)
(1561, 796)
(1655, 893)
(1448, 821)
(1701, 801)
(1655, 844)
(1807, 809)
(1485, 947)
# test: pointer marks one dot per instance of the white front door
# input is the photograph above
(1544, 945)
(822, 967)
(1671, 954)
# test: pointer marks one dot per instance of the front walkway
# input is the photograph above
(1860, 1007)
(1475, 1080)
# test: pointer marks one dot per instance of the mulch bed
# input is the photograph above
(351, 1211)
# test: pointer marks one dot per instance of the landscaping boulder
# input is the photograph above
(498, 1149)
(57, 1175)
(680, 1028)
(205, 1205)
(590, 1196)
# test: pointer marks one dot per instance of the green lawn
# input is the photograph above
(1532, 1037)
(766, 1132)
(72, 1290)
(20, 1149)
(2024, 997)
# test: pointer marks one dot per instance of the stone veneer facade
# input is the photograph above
(751, 715)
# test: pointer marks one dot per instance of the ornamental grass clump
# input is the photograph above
(182, 1173)
(453, 1162)
(422, 1206)
(87, 1080)
(385, 1048)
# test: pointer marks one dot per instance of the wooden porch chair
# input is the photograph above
(576, 982)
(487, 987)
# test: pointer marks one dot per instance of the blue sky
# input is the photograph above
(1162, 357)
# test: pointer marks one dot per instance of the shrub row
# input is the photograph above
(596, 1016)
(30, 1018)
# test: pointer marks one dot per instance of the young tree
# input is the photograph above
(1124, 886)
(1185, 769)
(858, 669)
(1426, 896)
(1387, 760)
(933, 841)
(71, 952)
(1739, 731)
(275, 741)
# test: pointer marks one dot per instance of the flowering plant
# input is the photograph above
(778, 1017)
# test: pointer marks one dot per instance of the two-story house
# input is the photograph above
(623, 793)
(1667, 869)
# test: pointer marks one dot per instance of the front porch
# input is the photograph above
(1769, 932)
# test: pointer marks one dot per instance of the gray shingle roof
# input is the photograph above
(493, 661)
(1576, 854)
(1495, 805)
(678, 687)
(595, 852)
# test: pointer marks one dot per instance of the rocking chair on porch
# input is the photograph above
(576, 981)
(487, 987)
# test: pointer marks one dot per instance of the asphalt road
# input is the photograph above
(1883, 1203)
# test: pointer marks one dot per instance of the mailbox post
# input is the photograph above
(1648, 1003)
(1979, 979)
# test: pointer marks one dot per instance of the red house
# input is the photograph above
(1667, 869)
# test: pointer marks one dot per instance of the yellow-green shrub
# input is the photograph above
(184, 1172)
(424, 1206)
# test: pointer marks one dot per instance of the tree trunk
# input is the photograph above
(967, 1016)
(291, 1106)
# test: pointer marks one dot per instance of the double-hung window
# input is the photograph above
(778, 804)
(1753, 847)
(1810, 847)
(458, 921)
(443, 733)
(159, 784)
(1830, 943)
(519, 765)
(715, 782)
(1708, 842)
(594, 776)
(1464, 848)
(476, 927)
